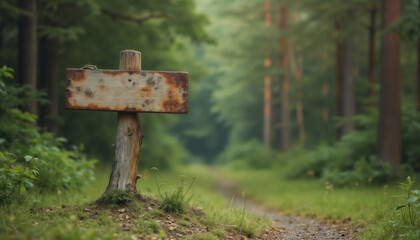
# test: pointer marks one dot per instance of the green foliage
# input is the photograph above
(410, 138)
(410, 209)
(63, 169)
(408, 26)
(402, 223)
(118, 197)
(352, 160)
(349, 162)
(17, 178)
(251, 153)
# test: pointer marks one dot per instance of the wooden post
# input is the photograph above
(129, 137)
(127, 91)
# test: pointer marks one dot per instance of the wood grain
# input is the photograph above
(128, 138)
(127, 90)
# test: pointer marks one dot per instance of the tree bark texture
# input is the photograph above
(129, 137)
(49, 78)
(389, 128)
(27, 57)
(339, 61)
(284, 81)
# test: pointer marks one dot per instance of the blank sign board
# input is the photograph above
(127, 91)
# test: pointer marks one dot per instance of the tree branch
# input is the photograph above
(130, 18)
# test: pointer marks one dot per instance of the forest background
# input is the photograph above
(318, 89)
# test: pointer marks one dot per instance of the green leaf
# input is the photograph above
(400, 207)
(28, 158)
(34, 172)
(8, 75)
(61, 139)
(2, 156)
(28, 185)
(416, 192)
(412, 199)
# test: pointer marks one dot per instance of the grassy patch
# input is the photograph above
(370, 206)
(311, 197)
(71, 215)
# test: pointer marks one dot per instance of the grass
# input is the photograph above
(71, 215)
(372, 207)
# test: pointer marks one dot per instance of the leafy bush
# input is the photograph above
(251, 153)
(17, 178)
(63, 169)
(350, 161)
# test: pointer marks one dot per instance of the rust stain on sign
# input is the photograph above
(78, 75)
(127, 91)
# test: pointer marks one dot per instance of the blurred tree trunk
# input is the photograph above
(418, 76)
(27, 57)
(349, 103)
(389, 128)
(339, 61)
(49, 81)
(372, 69)
(299, 105)
(296, 65)
(418, 71)
(268, 19)
(284, 81)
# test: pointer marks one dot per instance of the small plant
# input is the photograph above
(65, 168)
(176, 201)
(16, 178)
(411, 203)
(118, 197)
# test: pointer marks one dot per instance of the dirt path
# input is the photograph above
(289, 227)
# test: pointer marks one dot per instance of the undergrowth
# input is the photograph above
(175, 201)
(403, 222)
(57, 168)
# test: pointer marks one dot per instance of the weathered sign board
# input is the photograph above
(127, 91)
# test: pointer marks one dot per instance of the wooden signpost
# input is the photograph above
(127, 91)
